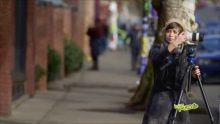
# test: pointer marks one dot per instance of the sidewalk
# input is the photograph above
(87, 97)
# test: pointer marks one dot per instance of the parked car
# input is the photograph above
(208, 58)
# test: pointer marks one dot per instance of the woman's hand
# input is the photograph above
(196, 72)
(180, 39)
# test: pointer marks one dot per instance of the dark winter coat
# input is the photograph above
(167, 85)
(134, 43)
(95, 34)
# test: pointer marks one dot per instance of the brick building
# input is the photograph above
(27, 27)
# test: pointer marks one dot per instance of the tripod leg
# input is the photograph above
(173, 116)
(205, 100)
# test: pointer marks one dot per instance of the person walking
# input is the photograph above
(134, 36)
(95, 34)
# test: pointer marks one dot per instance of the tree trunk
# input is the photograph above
(166, 9)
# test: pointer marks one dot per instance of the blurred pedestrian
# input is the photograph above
(95, 34)
(134, 36)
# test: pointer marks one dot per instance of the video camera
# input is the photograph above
(194, 37)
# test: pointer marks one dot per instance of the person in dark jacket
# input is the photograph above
(95, 34)
(168, 81)
(134, 36)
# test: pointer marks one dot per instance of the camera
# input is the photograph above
(194, 37)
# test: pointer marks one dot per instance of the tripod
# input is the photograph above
(191, 56)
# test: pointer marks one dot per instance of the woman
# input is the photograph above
(168, 78)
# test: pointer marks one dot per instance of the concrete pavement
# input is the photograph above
(87, 97)
(90, 97)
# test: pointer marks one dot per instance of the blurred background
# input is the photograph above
(86, 61)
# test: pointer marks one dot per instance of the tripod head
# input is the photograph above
(191, 53)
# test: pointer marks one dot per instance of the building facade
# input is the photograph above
(27, 28)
